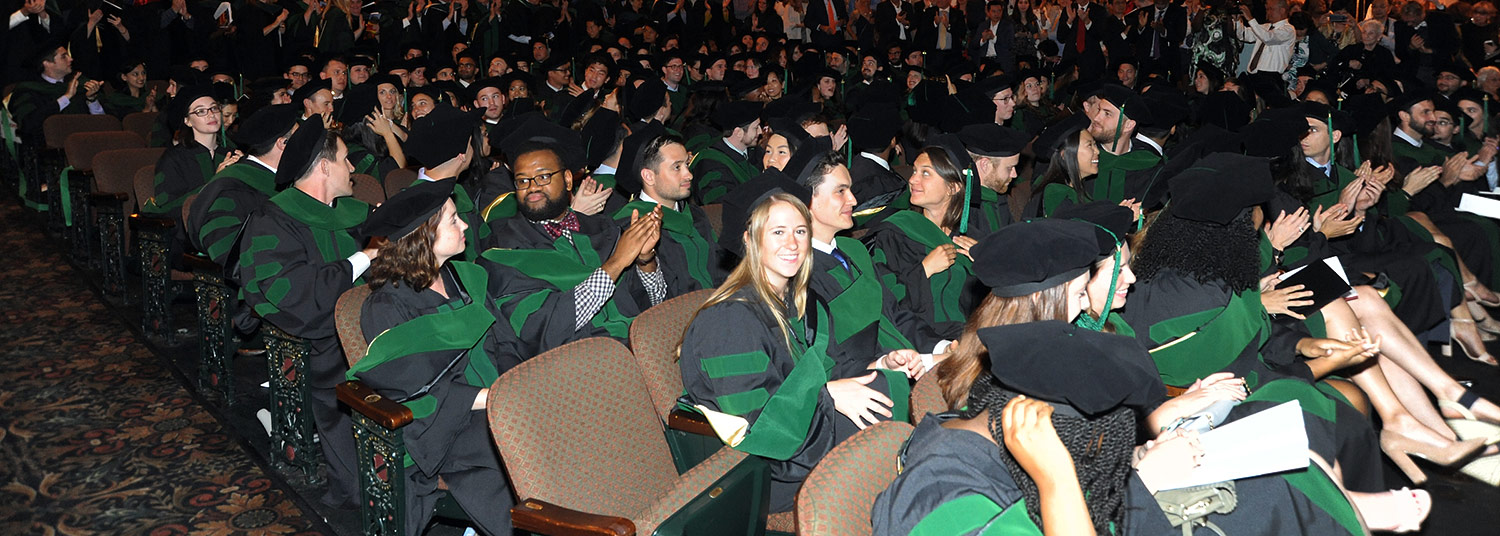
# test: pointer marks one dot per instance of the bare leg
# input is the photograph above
(1410, 391)
(1400, 510)
(1403, 348)
(1394, 415)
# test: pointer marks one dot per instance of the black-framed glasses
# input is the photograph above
(206, 112)
(540, 179)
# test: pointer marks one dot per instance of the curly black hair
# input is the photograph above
(1207, 252)
(1101, 449)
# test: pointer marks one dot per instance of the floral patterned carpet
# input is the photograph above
(97, 435)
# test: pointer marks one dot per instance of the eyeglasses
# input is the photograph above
(205, 112)
(672, 66)
(1444, 123)
(295, 74)
(540, 179)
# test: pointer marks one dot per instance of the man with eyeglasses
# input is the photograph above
(562, 276)
(1451, 77)
(298, 73)
(553, 93)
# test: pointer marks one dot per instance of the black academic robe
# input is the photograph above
(533, 276)
(776, 383)
(687, 254)
(294, 266)
(1194, 329)
(222, 206)
(717, 170)
(419, 363)
(897, 245)
(182, 171)
(871, 180)
(867, 322)
(34, 100)
(953, 480)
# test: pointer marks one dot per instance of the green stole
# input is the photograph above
(969, 513)
(563, 267)
(1109, 185)
(461, 327)
(1330, 197)
(679, 227)
(948, 285)
(606, 180)
(366, 163)
(1054, 194)
(989, 205)
(862, 301)
(334, 242)
(741, 171)
(786, 416)
(1426, 155)
(253, 175)
(9, 135)
(1195, 345)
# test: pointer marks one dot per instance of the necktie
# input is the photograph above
(839, 256)
(566, 224)
(1081, 10)
(833, 16)
(942, 43)
(1260, 46)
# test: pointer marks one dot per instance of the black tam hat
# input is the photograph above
(740, 201)
(1025, 258)
(633, 155)
(441, 135)
(408, 209)
(267, 124)
(990, 139)
(301, 152)
(1047, 360)
(1220, 186)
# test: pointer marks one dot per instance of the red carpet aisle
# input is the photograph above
(98, 436)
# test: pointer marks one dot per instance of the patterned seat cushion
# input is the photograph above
(926, 397)
(782, 522)
(346, 317)
(692, 483)
(654, 338)
(575, 428)
(838, 494)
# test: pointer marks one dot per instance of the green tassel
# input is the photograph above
(963, 222)
(1088, 321)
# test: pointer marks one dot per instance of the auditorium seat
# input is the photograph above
(583, 448)
(51, 157)
(654, 338)
(926, 397)
(140, 123)
(113, 198)
(398, 179)
(367, 189)
(838, 493)
(153, 236)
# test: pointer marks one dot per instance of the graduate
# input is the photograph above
(1130, 136)
(1046, 435)
(560, 276)
(374, 147)
(130, 94)
(220, 210)
(444, 142)
(654, 164)
(203, 151)
(775, 379)
(866, 319)
(298, 254)
(724, 165)
(922, 253)
(433, 349)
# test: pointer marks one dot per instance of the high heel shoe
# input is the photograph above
(1401, 448)
(1466, 425)
(1483, 356)
(1482, 319)
(1472, 295)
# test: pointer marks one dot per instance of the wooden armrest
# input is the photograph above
(102, 198)
(546, 518)
(367, 402)
(201, 263)
(151, 222)
(690, 422)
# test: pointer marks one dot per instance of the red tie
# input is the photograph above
(833, 16)
(568, 222)
(1080, 28)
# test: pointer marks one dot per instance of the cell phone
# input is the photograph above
(1338, 17)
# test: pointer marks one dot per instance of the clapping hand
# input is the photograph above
(1287, 228)
(1282, 300)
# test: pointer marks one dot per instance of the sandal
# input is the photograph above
(1484, 356)
(1482, 319)
(1398, 511)
(1474, 296)
(1467, 426)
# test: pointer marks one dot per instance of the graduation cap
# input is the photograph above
(441, 135)
(993, 85)
(1274, 133)
(745, 87)
(796, 136)
(1220, 186)
(512, 77)
(407, 210)
(741, 201)
(1458, 69)
(182, 103)
(1130, 103)
(794, 110)
(357, 103)
(1029, 257)
(1340, 119)
(1054, 137)
(534, 129)
(311, 87)
(1404, 102)
(599, 137)
(732, 115)
(633, 155)
(186, 76)
(1167, 106)
(1367, 109)
(301, 152)
(1226, 110)
(873, 127)
(990, 139)
(266, 124)
(806, 159)
(395, 81)
(1112, 222)
(1049, 360)
(646, 100)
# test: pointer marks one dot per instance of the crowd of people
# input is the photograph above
(1077, 217)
